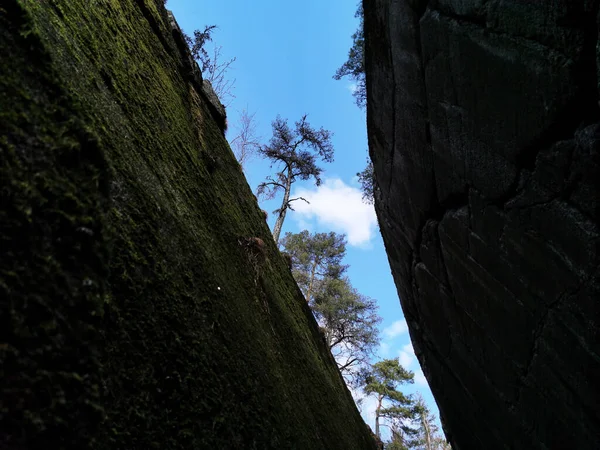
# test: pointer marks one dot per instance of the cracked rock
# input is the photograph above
(483, 125)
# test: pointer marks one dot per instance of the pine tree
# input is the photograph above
(354, 67)
(349, 319)
(295, 152)
(383, 381)
(427, 435)
(315, 257)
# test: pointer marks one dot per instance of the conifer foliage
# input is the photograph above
(295, 152)
(348, 318)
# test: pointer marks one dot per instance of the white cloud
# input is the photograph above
(340, 208)
(366, 405)
(405, 359)
(420, 378)
(304, 224)
(396, 329)
(406, 356)
(408, 348)
(384, 349)
(352, 87)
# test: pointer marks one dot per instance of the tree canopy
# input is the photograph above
(354, 67)
(295, 151)
(348, 318)
(366, 178)
(383, 381)
(315, 257)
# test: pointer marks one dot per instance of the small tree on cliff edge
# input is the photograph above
(368, 185)
(354, 67)
(383, 381)
(213, 68)
(295, 151)
(246, 143)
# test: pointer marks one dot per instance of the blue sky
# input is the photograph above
(286, 54)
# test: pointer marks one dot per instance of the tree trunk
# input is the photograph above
(283, 209)
(428, 440)
(377, 417)
(310, 283)
(428, 444)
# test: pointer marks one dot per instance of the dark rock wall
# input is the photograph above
(54, 182)
(483, 130)
(134, 314)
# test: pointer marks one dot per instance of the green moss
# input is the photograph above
(197, 348)
(53, 258)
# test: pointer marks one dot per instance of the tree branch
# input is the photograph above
(298, 198)
(348, 363)
(273, 183)
(289, 206)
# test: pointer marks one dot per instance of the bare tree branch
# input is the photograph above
(289, 202)
(246, 143)
(214, 69)
(274, 183)
(298, 198)
(348, 364)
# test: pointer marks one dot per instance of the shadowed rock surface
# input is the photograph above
(483, 130)
(133, 314)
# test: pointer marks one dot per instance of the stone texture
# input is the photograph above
(192, 72)
(484, 134)
(133, 314)
(217, 108)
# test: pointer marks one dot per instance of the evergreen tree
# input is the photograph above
(315, 257)
(350, 321)
(398, 440)
(383, 381)
(427, 433)
(441, 443)
(354, 67)
(295, 151)
(426, 427)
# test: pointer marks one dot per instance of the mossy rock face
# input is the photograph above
(53, 251)
(132, 315)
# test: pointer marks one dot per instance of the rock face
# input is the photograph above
(218, 109)
(133, 312)
(483, 130)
